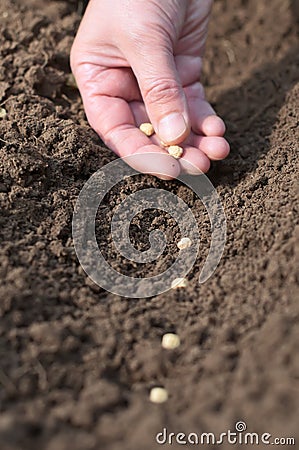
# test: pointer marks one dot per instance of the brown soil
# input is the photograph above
(77, 363)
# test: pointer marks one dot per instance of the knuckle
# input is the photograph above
(161, 91)
(195, 91)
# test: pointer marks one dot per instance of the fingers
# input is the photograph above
(203, 117)
(162, 92)
(215, 147)
(194, 161)
(189, 68)
(113, 120)
(198, 149)
(119, 82)
(153, 160)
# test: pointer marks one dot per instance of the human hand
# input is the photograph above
(139, 61)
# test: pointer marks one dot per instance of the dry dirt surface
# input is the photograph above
(77, 363)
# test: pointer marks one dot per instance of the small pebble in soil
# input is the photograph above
(179, 283)
(158, 395)
(170, 341)
(175, 150)
(147, 128)
(3, 113)
(184, 243)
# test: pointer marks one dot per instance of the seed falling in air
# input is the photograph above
(147, 128)
(158, 395)
(179, 283)
(170, 341)
(175, 150)
(3, 113)
(184, 243)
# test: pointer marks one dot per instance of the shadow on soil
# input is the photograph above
(250, 113)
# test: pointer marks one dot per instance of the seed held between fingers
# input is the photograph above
(179, 283)
(147, 128)
(175, 150)
(184, 243)
(158, 395)
(170, 341)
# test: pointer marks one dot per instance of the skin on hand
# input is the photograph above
(139, 61)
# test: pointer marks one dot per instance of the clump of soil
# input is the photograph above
(77, 363)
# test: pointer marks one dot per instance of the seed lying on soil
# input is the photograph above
(147, 128)
(179, 283)
(3, 113)
(170, 341)
(175, 150)
(158, 395)
(184, 243)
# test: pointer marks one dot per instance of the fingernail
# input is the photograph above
(171, 127)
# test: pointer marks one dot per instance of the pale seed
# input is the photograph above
(147, 129)
(179, 283)
(184, 243)
(175, 150)
(158, 395)
(170, 341)
(3, 113)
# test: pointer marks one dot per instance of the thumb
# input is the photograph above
(162, 92)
